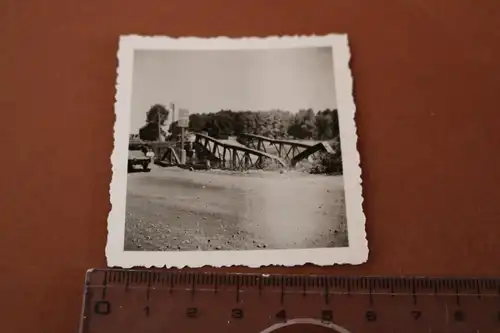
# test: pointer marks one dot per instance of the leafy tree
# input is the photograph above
(156, 117)
(212, 127)
(149, 132)
(303, 125)
(157, 113)
(327, 124)
(197, 122)
(225, 122)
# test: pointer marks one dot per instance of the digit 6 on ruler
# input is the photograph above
(327, 316)
(192, 312)
(281, 315)
(237, 313)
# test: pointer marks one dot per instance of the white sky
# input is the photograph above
(207, 81)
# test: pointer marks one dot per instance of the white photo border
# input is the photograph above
(357, 251)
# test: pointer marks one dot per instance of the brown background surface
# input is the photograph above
(426, 84)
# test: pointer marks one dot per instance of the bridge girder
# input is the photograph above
(290, 151)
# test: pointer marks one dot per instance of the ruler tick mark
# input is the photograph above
(193, 286)
(282, 296)
(148, 289)
(413, 293)
(370, 296)
(127, 281)
(327, 292)
(238, 289)
(104, 285)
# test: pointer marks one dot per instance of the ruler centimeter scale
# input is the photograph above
(120, 300)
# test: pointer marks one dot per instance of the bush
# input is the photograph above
(327, 163)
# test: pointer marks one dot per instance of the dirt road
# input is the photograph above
(174, 209)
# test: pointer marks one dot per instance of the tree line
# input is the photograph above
(277, 124)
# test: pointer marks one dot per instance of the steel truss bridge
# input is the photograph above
(249, 152)
(290, 151)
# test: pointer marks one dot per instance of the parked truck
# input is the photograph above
(139, 154)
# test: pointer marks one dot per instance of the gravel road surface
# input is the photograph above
(175, 209)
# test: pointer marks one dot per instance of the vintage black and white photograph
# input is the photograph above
(235, 152)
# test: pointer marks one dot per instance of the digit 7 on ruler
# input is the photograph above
(117, 301)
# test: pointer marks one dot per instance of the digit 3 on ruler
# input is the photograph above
(118, 301)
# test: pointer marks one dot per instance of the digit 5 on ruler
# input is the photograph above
(118, 301)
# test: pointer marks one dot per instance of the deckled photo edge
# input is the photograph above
(356, 253)
(356, 220)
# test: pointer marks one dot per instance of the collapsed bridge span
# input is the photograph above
(234, 156)
(291, 151)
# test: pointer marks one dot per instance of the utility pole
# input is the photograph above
(172, 107)
(159, 127)
(183, 150)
